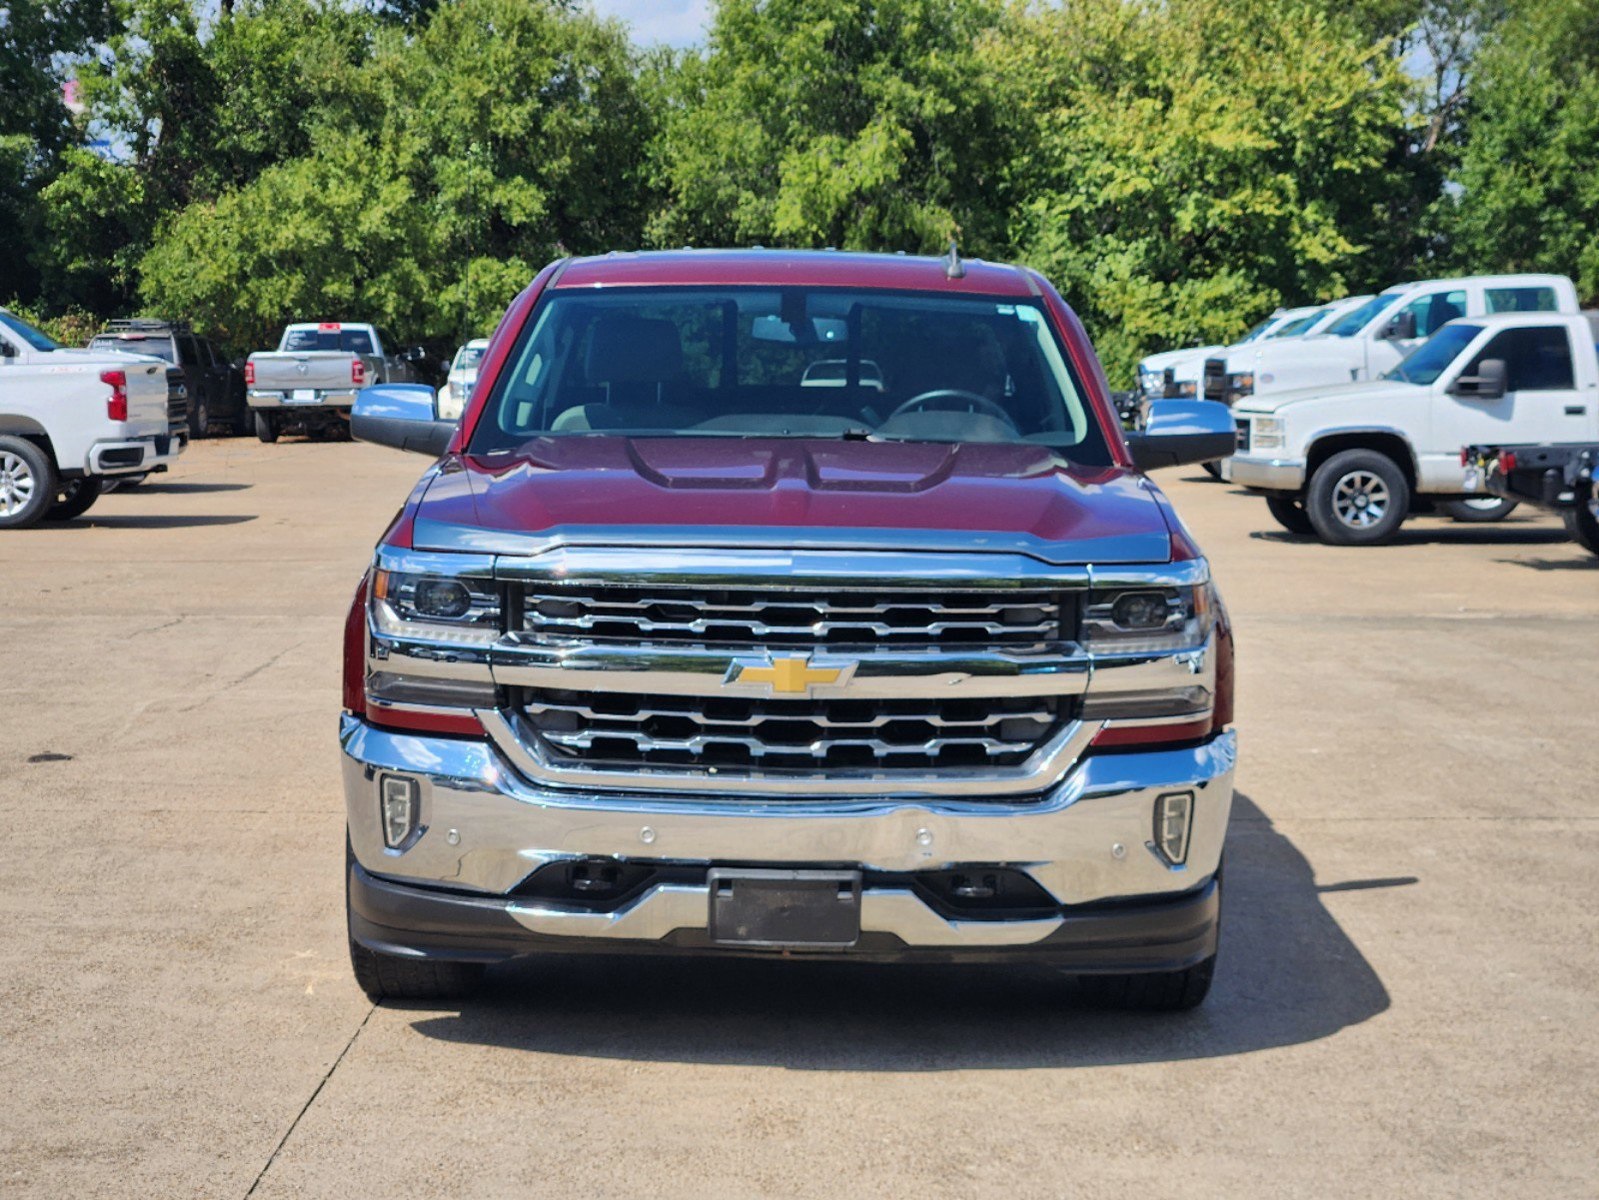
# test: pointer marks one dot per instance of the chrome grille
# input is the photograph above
(780, 619)
(730, 732)
(177, 400)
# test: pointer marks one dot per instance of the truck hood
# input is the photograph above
(791, 493)
(1170, 358)
(1291, 358)
(1378, 390)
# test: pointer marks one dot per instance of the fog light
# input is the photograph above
(401, 805)
(1174, 814)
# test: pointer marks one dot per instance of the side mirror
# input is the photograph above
(1180, 432)
(1401, 328)
(403, 416)
(414, 354)
(1489, 383)
(7, 350)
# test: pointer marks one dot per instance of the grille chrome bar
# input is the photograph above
(718, 733)
(787, 618)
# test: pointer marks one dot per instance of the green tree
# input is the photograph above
(466, 153)
(1195, 162)
(868, 124)
(39, 41)
(1528, 179)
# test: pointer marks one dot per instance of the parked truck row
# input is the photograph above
(1356, 420)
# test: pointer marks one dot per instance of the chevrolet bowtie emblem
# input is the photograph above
(789, 676)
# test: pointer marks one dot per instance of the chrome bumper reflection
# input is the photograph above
(485, 829)
(1268, 474)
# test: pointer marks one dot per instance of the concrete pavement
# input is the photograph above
(1405, 1002)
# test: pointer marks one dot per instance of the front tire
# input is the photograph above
(199, 419)
(1212, 468)
(27, 483)
(1290, 513)
(1479, 509)
(1157, 991)
(266, 428)
(390, 977)
(1357, 498)
(74, 497)
(1583, 525)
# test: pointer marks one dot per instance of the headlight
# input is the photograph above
(1188, 388)
(1241, 384)
(1267, 433)
(450, 405)
(1148, 619)
(440, 608)
(1151, 383)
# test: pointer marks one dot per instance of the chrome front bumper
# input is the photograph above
(1268, 474)
(1088, 841)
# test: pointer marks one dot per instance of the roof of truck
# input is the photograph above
(796, 268)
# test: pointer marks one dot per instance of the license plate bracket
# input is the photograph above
(799, 909)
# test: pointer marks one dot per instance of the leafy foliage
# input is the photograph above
(1528, 176)
(1196, 162)
(858, 124)
(1176, 166)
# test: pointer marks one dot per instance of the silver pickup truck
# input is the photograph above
(311, 379)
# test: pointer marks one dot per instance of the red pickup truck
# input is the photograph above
(674, 650)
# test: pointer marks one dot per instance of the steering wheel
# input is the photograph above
(972, 401)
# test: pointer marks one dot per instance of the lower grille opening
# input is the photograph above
(978, 892)
(696, 732)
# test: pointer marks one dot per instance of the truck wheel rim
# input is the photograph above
(1360, 499)
(1483, 503)
(16, 484)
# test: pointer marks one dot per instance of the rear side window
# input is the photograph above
(188, 352)
(1535, 359)
(1524, 299)
(1436, 309)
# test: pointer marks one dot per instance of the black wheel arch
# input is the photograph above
(1381, 441)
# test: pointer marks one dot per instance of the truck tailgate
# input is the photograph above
(290, 370)
(147, 399)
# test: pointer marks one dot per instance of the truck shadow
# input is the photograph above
(1288, 974)
(1452, 533)
(118, 521)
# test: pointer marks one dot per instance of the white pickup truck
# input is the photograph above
(1177, 373)
(72, 419)
(1367, 341)
(311, 379)
(1348, 462)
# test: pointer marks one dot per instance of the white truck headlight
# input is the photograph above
(451, 403)
(1267, 433)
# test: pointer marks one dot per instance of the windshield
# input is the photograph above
(157, 346)
(795, 362)
(467, 358)
(351, 341)
(1257, 331)
(1432, 358)
(1297, 326)
(1354, 321)
(27, 332)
